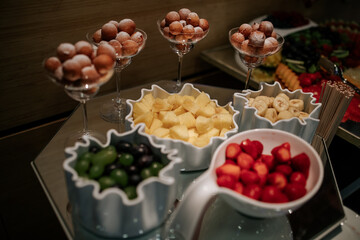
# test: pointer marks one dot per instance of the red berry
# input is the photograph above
(272, 194)
(232, 150)
(249, 147)
(239, 187)
(230, 161)
(301, 162)
(284, 169)
(229, 169)
(226, 181)
(268, 160)
(277, 179)
(252, 191)
(281, 154)
(259, 147)
(244, 160)
(294, 191)
(249, 177)
(298, 177)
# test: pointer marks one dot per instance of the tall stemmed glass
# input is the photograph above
(181, 44)
(81, 90)
(251, 56)
(114, 110)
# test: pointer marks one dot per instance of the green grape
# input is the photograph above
(106, 182)
(146, 173)
(155, 168)
(105, 156)
(120, 177)
(126, 159)
(96, 171)
(130, 192)
(82, 166)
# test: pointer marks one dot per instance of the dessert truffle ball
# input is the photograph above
(83, 47)
(108, 31)
(183, 22)
(163, 23)
(175, 28)
(245, 47)
(103, 63)
(255, 26)
(237, 39)
(127, 25)
(65, 51)
(82, 59)
(270, 44)
(117, 46)
(257, 39)
(137, 37)
(188, 31)
(266, 27)
(198, 32)
(193, 19)
(52, 63)
(166, 31)
(122, 36)
(114, 22)
(97, 36)
(204, 24)
(171, 17)
(245, 29)
(106, 48)
(184, 12)
(130, 47)
(71, 70)
(89, 74)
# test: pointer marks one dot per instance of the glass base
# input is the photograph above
(78, 137)
(113, 112)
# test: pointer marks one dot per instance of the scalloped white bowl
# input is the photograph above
(194, 158)
(110, 213)
(249, 119)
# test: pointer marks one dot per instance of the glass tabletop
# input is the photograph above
(313, 220)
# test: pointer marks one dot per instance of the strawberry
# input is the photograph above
(281, 153)
(294, 191)
(268, 160)
(229, 169)
(277, 179)
(249, 147)
(226, 181)
(244, 160)
(232, 150)
(249, 177)
(262, 170)
(252, 191)
(272, 194)
(230, 161)
(301, 162)
(259, 147)
(284, 169)
(239, 187)
(298, 177)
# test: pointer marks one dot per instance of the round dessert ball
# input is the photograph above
(204, 24)
(188, 31)
(59, 74)
(237, 39)
(163, 23)
(245, 47)
(198, 33)
(256, 39)
(71, 70)
(266, 27)
(175, 28)
(171, 17)
(137, 37)
(127, 25)
(193, 19)
(65, 51)
(82, 59)
(255, 26)
(117, 46)
(106, 48)
(180, 38)
(103, 63)
(130, 47)
(108, 31)
(52, 63)
(97, 36)
(184, 12)
(123, 36)
(245, 29)
(114, 22)
(89, 74)
(166, 31)
(274, 35)
(183, 22)
(83, 47)
(270, 45)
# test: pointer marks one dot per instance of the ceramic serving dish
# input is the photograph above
(194, 157)
(249, 119)
(110, 213)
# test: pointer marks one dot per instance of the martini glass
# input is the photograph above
(253, 59)
(181, 44)
(82, 92)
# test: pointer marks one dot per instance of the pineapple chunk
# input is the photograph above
(146, 118)
(190, 106)
(148, 100)
(202, 99)
(179, 132)
(191, 98)
(222, 120)
(193, 135)
(161, 105)
(161, 132)
(206, 111)
(170, 119)
(175, 100)
(223, 131)
(203, 124)
(221, 110)
(214, 132)
(156, 123)
(187, 119)
(179, 110)
(202, 140)
(161, 115)
(139, 108)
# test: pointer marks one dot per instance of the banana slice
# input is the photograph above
(297, 103)
(285, 115)
(271, 101)
(251, 100)
(261, 107)
(280, 104)
(284, 96)
(266, 99)
(271, 114)
(294, 111)
(303, 115)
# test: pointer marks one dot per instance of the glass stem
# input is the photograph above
(178, 82)
(118, 80)
(85, 117)
(248, 78)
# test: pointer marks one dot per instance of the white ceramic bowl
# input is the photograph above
(205, 188)
(194, 158)
(249, 119)
(110, 213)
